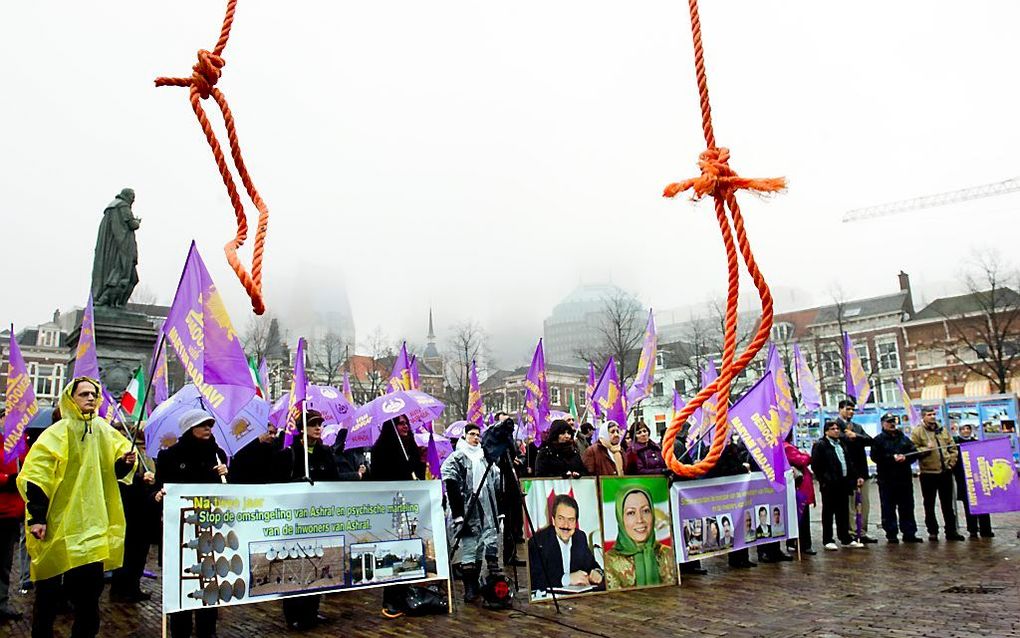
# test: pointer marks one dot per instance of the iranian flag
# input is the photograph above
(131, 401)
(256, 377)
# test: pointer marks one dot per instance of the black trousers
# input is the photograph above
(301, 610)
(204, 619)
(738, 557)
(83, 586)
(975, 522)
(835, 505)
(804, 529)
(897, 508)
(940, 485)
(127, 579)
(10, 530)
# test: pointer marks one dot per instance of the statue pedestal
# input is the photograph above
(124, 341)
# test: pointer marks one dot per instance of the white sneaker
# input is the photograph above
(831, 547)
(855, 545)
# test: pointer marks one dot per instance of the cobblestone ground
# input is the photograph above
(882, 591)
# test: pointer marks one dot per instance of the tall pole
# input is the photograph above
(304, 433)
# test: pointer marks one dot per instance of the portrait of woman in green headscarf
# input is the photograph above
(637, 559)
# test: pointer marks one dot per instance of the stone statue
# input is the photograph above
(114, 268)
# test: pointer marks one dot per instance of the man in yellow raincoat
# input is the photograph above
(75, 520)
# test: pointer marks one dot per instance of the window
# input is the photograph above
(888, 355)
(554, 396)
(782, 332)
(657, 389)
(659, 360)
(862, 353)
(832, 363)
(888, 392)
(580, 398)
(930, 358)
(832, 398)
(680, 385)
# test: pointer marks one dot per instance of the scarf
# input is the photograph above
(646, 564)
(615, 454)
(476, 457)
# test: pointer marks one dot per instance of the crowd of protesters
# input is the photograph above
(87, 512)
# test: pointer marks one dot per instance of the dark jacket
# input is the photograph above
(883, 448)
(546, 565)
(855, 447)
(827, 469)
(321, 463)
(958, 473)
(599, 462)
(348, 461)
(189, 460)
(645, 459)
(555, 460)
(390, 462)
(256, 462)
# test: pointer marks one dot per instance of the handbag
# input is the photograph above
(423, 600)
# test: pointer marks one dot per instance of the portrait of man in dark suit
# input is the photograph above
(558, 555)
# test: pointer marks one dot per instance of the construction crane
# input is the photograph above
(931, 201)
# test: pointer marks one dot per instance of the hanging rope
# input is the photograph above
(721, 182)
(202, 84)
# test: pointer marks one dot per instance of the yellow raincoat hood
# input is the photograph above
(72, 462)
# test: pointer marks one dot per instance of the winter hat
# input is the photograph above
(194, 417)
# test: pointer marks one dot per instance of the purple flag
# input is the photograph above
(609, 397)
(400, 378)
(200, 332)
(589, 391)
(913, 416)
(703, 427)
(476, 410)
(810, 397)
(298, 393)
(645, 378)
(755, 417)
(678, 402)
(990, 476)
(432, 457)
(347, 389)
(857, 385)
(21, 403)
(160, 386)
(536, 395)
(415, 375)
(784, 394)
(86, 361)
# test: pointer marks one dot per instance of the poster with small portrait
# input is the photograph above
(565, 554)
(638, 532)
(719, 515)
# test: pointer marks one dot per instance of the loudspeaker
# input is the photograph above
(237, 564)
(232, 541)
(239, 589)
(222, 566)
(210, 595)
(204, 543)
(205, 569)
(271, 553)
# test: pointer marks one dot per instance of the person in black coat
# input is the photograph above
(142, 517)
(976, 523)
(889, 451)
(351, 464)
(195, 458)
(252, 462)
(855, 439)
(562, 543)
(837, 479)
(302, 612)
(511, 465)
(395, 457)
(558, 456)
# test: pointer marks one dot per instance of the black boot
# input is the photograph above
(471, 572)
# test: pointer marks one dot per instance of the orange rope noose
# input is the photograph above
(202, 83)
(721, 182)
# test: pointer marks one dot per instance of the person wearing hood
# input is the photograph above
(975, 522)
(194, 458)
(637, 558)
(605, 456)
(395, 457)
(75, 519)
(302, 612)
(478, 527)
(558, 457)
(644, 455)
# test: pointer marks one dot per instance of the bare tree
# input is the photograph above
(261, 336)
(619, 331)
(985, 327)
(144, 295)
(467, 343)
(329, 355)
(374, 381)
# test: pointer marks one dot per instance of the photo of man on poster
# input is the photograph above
(559, 555)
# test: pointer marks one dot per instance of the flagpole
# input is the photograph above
(304, 433)
(148, 386)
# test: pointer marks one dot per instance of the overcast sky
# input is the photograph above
(486, 157)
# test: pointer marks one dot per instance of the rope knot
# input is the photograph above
(206, 72)
(717, 179)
